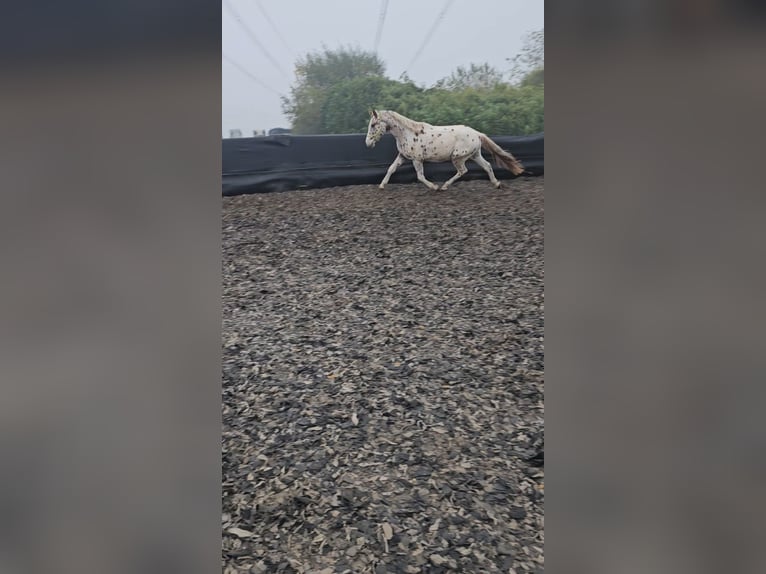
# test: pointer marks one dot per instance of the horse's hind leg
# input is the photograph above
(419, 170)
(391, 169)
(459, 163)
(477, 157)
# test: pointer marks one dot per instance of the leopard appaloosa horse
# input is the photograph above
(420, 142)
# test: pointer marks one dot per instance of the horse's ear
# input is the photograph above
(374, 114)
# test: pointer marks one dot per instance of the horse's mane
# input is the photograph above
(405, 121)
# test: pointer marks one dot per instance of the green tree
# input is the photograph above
(534, 78)
(530, 59)
(475, 76)
(346, 107)
(335, 90)
(319, 73)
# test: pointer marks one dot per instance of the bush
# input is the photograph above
(501, 110)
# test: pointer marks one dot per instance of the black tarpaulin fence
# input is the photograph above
(285, 162)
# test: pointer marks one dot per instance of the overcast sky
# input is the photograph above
(472, 31)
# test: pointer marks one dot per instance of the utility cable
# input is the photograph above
(254, 39)
(274, 27)
(430, 33)
(249, 74)
(381, 20)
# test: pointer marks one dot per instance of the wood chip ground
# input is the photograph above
(383, 380)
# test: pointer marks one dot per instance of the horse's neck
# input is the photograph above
(398, 128)
(399, 131)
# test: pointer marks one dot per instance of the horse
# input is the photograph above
(420, 142)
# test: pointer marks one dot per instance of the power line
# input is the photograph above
(249, 74)
(255, 40)
(274, 27)
(381, 20)
(430, 33)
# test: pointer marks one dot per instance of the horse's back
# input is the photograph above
(457, 130)
(459, 134)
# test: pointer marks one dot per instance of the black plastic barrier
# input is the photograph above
(285, 162)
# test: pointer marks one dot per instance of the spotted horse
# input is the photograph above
(420, 142)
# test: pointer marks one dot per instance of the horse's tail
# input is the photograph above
(502, 158)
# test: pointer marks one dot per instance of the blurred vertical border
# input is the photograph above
(655, 246)
(110, 313)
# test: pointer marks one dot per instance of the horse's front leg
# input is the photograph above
(419, 170)
(391, 169)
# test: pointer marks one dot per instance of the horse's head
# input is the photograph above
(376, 128)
